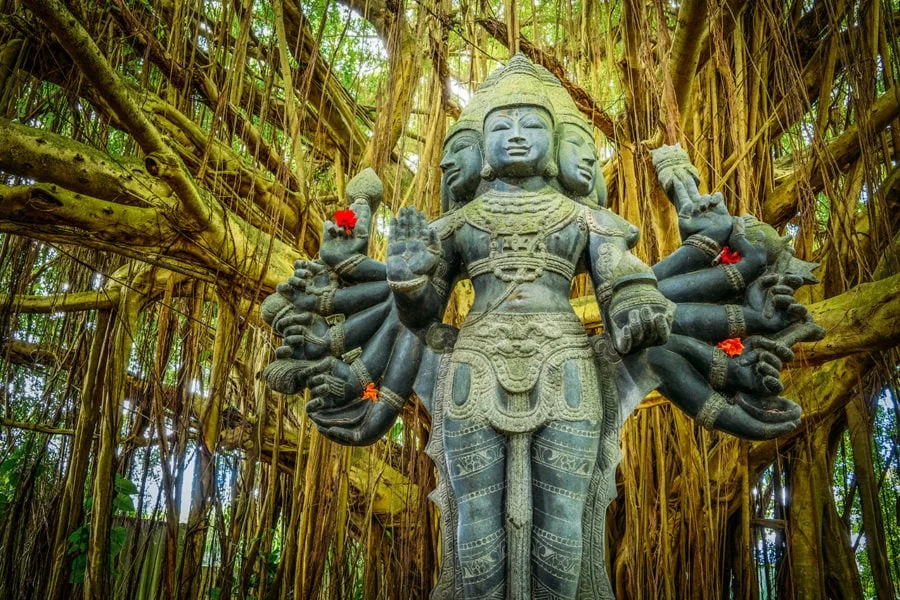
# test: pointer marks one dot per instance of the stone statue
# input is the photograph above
(526, 408)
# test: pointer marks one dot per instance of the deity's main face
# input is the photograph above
(577, 160)
(518, 140)
(461, 164)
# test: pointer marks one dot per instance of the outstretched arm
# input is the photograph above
(364, 421)
(722, 281)
(634, 311)
(312, 288)
(688, 389)
(769, 307)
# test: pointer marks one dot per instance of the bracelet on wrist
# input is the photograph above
(410, 285)
(733, 277)
(737, 324)
(707, 245)
(711, 409)
(718, 368)
(391, 397)
(362, 373)
(348, 265)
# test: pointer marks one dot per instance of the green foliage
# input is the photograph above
(10, 472)
(123, 505)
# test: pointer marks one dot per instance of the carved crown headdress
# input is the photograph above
(519, 82)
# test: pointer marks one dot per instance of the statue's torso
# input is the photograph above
(521, 250)
(522, 358)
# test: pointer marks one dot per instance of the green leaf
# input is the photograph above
(125, 486)
(124, 504)
(79, 564)
(117, 536)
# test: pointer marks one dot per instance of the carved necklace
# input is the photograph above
(522, 213)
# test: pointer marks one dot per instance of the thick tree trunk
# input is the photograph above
(859, 426)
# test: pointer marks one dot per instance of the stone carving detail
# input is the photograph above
(526, 408)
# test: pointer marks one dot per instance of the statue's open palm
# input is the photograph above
(413, 247)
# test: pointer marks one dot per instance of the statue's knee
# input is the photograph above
(483, 505)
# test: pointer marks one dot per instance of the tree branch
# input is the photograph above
(839, 153)
(50, 158)
(35, 427)
(52, 210)
(585, 102)
(89, 59)
(75, 302)
(863, 319)
(685, 54)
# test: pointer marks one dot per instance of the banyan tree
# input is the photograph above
(164, 162)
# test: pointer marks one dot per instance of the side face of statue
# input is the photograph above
(461, 166)
(525, 414)
(578, 170)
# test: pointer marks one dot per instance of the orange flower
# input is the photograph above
(370, 393)
(731, 346)
(345, 219)
(729, 256)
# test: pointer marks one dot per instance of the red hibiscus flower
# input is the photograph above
(729, 256)
(371, 392)
(345, 219)
(731, 346)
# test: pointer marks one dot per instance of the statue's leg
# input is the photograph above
(563, 455)
(476, 457)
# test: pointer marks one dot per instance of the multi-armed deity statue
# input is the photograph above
(526, 408)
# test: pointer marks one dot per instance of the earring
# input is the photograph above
(551, 170)
(487, 172)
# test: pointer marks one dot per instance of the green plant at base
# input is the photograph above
(123, 505)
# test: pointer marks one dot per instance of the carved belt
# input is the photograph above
(516, 364)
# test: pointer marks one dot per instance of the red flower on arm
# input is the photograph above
(345, 219)
(729, 256)
(370, 393)
(731, 346)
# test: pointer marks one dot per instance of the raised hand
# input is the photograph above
(677, 176)
(705, 215)
(338, 244)
(413, 248)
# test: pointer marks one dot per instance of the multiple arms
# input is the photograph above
(727, 286)
(353, 327)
